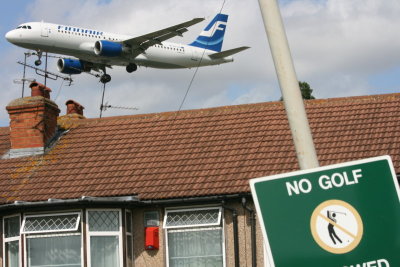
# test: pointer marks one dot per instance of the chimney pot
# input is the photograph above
(74, 107)
(38, 89)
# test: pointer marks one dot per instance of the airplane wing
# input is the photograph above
(141, 43)
(228, 53)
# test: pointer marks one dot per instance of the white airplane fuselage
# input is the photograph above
(80, 43)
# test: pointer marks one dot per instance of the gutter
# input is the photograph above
(190, 199)
(51, 202)
(124, 200)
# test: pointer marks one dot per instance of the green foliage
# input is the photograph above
(306, 91)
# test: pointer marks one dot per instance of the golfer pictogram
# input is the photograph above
(331, 227)
(336, 226)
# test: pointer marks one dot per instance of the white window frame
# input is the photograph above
(104, 233)
(53, 233)
(11, 239)
(200, 227)
(78, 214)
(129, 213)
(192, 225)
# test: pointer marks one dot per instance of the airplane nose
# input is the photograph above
(11, 36)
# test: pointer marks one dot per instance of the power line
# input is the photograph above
(197, 68)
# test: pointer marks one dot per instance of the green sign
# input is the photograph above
(345, 215)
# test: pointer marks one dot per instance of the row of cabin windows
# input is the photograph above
(180, 49)
(72, 29)
(194, 238)
(89, 35)
(84, 32)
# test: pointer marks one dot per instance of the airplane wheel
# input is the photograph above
(105, 78)
(131, 68)
(38, 62)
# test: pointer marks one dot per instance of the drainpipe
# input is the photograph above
(235, 232)
(253, 232)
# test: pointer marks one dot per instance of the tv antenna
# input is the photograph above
(24, 79)
(104, 107)
(44, 73)
(107, 106)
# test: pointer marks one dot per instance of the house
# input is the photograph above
(165, 189)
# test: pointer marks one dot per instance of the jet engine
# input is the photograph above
(70, 66)
(108, 49)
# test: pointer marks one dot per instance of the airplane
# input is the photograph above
(97, 50)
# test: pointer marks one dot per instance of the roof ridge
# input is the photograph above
(311, 102)
(352, 99)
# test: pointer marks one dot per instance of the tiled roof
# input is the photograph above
(198, 152)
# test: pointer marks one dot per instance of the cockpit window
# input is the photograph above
(24, 27)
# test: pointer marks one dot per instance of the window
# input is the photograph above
(104, 238)
(53, 240)
(129, 238)
(50, 223)
(11, 239)
(194, 237)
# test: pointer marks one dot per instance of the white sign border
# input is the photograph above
(301, 172)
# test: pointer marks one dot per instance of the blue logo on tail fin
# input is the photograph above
(212, 36)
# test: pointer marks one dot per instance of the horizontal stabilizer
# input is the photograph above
(228, 53)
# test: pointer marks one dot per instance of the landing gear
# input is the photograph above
(131, 68)
(105, 78)
(38, 62)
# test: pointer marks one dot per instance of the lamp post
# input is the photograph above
(295, 110)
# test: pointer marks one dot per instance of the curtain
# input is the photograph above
(12, 254)
(104, 251)
(195, 248)
(54, 251)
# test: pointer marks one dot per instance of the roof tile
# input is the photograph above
(197, 152)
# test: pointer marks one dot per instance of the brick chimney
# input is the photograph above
(73, 116)
(33, 122)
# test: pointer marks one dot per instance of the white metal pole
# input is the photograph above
(289, 84)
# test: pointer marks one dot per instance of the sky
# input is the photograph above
(340, 47)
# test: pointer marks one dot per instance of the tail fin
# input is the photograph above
(212, 36)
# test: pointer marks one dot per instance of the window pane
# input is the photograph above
(54, 223)
(104, 251)
(129, 247)
(11, 226)
(104, 221)
(193, 217)
(12, 254)
(199, 248)
(57, 251)
(128, 222)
